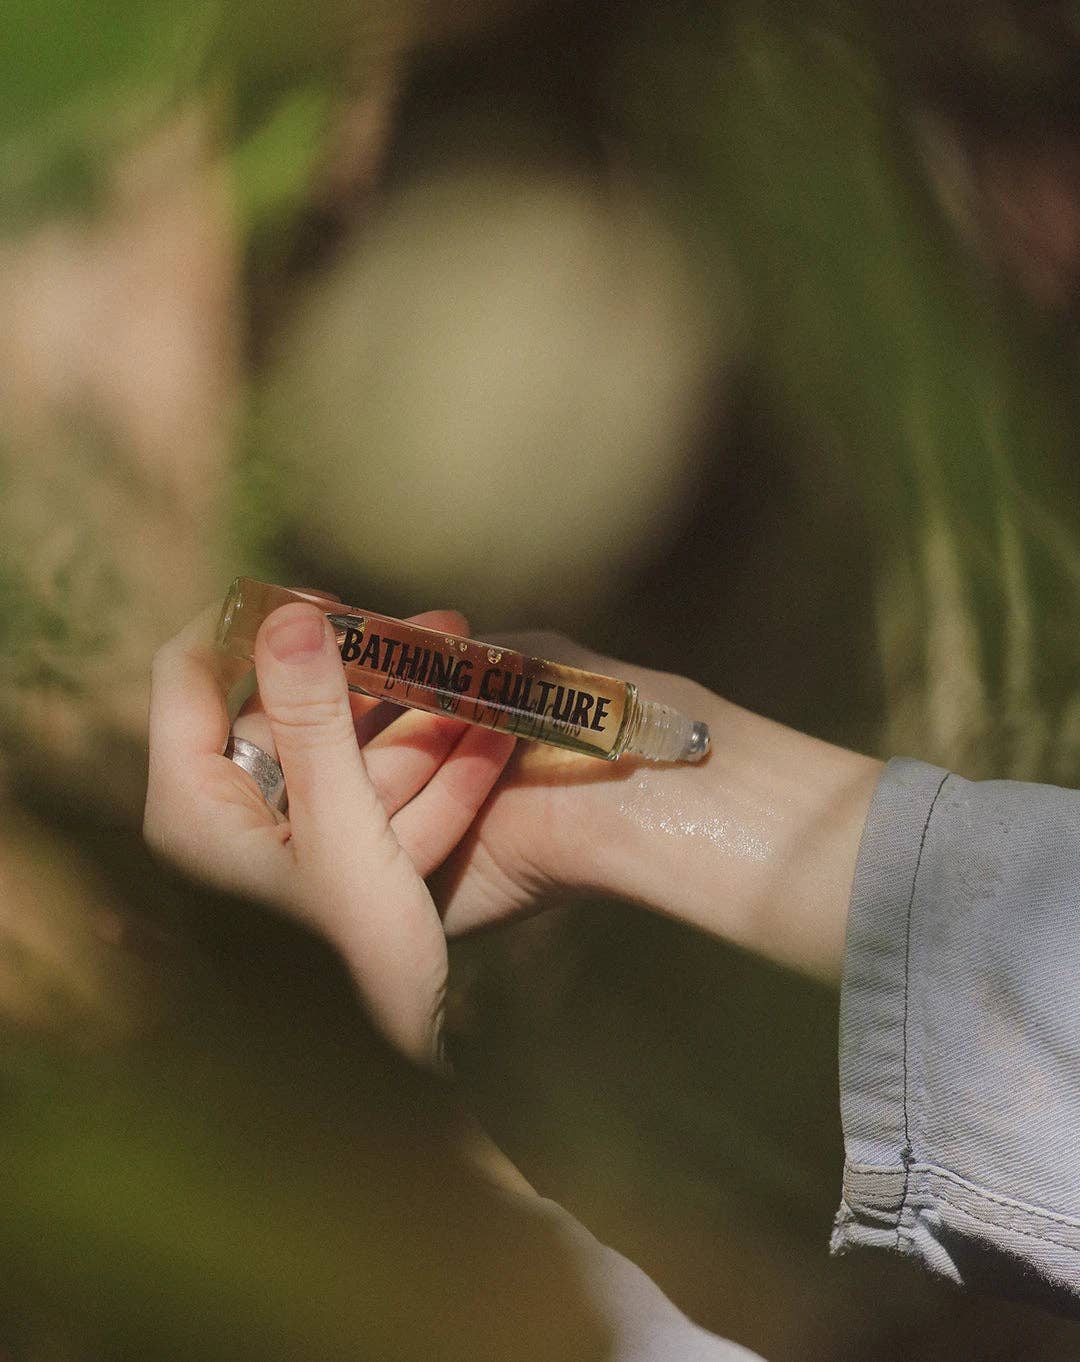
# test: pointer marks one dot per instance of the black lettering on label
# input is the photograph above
(562, 704)
(439, 675)
(350, 644)
(370, 655)
(600, 713)
(392, 644)
(580, 716)
(462, 676)
(511, 689)
(407, 662)
(483, 714)
(545, 688)
(487, 682)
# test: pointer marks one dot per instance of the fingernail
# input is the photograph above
(300, 634)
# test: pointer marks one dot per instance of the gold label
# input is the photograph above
(480, 683)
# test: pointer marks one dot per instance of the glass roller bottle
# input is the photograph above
(479, 683)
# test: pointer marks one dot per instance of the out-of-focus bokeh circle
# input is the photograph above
(493, 397)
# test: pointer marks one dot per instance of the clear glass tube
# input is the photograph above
(479, 683)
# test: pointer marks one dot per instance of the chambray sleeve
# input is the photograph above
(960, 1033)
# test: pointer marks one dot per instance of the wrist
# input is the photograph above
(756, 845)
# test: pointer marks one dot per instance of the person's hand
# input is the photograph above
(555, 820)
(373, 809)
(756, 845)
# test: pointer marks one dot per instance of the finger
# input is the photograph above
(370, 712)
(406, 755)
(305, 700)
(195, 796)
(431, 825)
(188, 718)
(370, 716)
(352, 877)
(403, 750)
(252, 723)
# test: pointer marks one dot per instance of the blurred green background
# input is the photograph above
(752, 326)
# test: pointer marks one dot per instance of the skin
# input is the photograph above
(756, 845)
(364, 827)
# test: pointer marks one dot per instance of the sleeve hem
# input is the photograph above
(959, 1033)
(949, 1224)
(874, 1004)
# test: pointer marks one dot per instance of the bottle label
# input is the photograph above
(480, 683)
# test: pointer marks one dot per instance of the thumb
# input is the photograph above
(332, 803)
(351, 877)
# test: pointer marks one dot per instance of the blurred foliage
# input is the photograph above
(252, 1174)
(273, 167)
(79, 82)
(890, 351)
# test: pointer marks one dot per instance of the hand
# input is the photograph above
(554, 820)
(365, 824)
(755, 845)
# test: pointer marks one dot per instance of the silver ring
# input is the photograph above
(267, 773)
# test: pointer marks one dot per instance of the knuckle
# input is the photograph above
(310, 726)
(310, 713)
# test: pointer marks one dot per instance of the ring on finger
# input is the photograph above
(264, 769)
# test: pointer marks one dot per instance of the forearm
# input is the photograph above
(757, 845)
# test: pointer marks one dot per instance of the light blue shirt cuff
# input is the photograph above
(960, 1033)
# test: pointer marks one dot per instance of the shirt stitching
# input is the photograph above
(907, 1152)
(982, 1194)
(935, 1170)
(1007, 1229)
